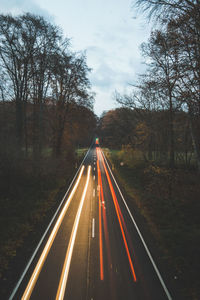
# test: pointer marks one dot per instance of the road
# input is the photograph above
(93, 249)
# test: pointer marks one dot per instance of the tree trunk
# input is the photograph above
(25, 129)
(58, 137)
(171, 131)
(194, 141)
(59, 143)
(19, 124)
(150, 154)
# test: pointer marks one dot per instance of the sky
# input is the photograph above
(110, 31)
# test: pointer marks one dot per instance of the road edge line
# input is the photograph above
(140, 235)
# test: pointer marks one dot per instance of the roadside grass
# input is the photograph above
(169, 202)
(80, 152)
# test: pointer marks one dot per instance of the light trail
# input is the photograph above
(37, 270)
(93, 228)
(107, 242)
(119, 214)
(67, 262)
(100, 225)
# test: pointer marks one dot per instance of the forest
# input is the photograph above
(165, 100)
(153, 139)
(46, 113)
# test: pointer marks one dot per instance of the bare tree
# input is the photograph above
(188, 68)
(163, 10)
(25, 46)
(14, 61)
(70, 85)
(45, 44)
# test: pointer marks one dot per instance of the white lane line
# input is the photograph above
(93, 192)
(65, 271)
(94, 169)
(141, 237)
(93, 228)
(94, 177)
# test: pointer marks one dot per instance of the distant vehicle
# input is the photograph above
(97, 141)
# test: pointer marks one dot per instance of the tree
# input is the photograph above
(183, 18)
(70, 85)
(162, 51)
(26, 43)
(116, 127)
(14, 62)
(188, 87)
(41, 74)
(166, 9)
(44, 45)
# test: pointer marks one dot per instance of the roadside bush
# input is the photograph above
(130, 156)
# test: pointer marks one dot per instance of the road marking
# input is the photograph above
(65, 271)
(94, 177)
(93, 192)
(140, 235)
(93, 228)
(94, 169)
(36, 272)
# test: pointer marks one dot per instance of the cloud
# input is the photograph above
(16, 7)
(103, 77)
(108, 32)
(108, 78)
(115, 58)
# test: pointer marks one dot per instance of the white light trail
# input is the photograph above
(66, 266)
(93, 228)
(49, 243)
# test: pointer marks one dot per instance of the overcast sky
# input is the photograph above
(106, 29)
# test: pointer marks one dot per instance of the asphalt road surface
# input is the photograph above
(93, 249)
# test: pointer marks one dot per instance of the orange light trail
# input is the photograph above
(118, 212)
(124, 226)
(100, 226)
(105, 226)
(37, 270)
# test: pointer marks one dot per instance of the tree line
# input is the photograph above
(165, 101)
(45, 93)
(146, 133)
